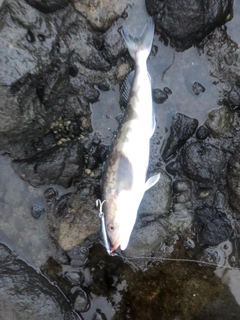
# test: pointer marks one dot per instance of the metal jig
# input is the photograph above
(104, 233)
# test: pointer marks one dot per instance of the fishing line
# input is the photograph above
(100, 203)
(156, 259)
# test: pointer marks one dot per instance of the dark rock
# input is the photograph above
(99, 315)
(114, 45)
(203, 162)
(187, 22)
(104, 85)
(78, 256)
(56, 166)
(81, 303)
(50, 193)
(212, 226)
(154, 7)
(34, 84)
(61, 206)
(101, 153)
(159, 96)
(24, 292)
(75, 278)
(182, 191)
(173, 167)
(37, 211)
(233, 179)
(96, 141)
(167, 90)
(234, 97)
(49, 5)
(182, 128)
(198, 88)
(92, 94)
(74, 128)
(202, 133)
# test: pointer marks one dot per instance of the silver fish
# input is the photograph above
(124, 179)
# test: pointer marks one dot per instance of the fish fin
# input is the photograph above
(142, 44)
(152, 181)
(126, 89)
(124, 174)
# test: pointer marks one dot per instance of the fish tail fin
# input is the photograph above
(142, 45)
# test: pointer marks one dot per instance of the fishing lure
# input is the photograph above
(104, 233)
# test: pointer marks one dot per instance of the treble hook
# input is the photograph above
(100, 204)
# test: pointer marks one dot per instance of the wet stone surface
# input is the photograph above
(203, 162)
(182, 128)
(34, 291)
(187, 22)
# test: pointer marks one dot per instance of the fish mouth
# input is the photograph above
(116, 244)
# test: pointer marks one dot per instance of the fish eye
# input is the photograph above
(110, 227)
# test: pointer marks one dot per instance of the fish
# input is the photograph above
(124, 177)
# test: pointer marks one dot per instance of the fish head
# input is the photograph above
(121, 220)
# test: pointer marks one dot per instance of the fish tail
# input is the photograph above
(142, 45)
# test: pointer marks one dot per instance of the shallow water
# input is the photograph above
(165, 290)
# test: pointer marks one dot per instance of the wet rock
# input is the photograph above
(104, 86)
(37, 211)
(34, 83)
(159, 96)
(187, 22)
(182, 128)
(180, 219)
(234, 97)
(113, 44)
(101, 153)
(233, 178)
(198, 88)
(203, 162)
(157, 200)
(75, 278)
(80, 40)
(56, 166)
(99, 315)
(147, 236)
(48, 6)
(202, 133)
(167, 90)
(212, 226)
(50, 193)
(81, 303)
(24, 292)
(182, 191)
(73, 218)
(173, 167)
(78, 256)
(220, 121)
(100, 14)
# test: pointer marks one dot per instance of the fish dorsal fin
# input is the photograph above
(124, 173)
(126, 89)
(152, 181)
